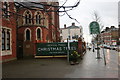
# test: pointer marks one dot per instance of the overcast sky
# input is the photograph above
(107, 10)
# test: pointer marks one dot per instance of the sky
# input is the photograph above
(107, 10)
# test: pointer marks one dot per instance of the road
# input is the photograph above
(89, 67)
(94, 68)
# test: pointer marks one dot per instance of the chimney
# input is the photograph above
(112, 26)
(73, 24)
(65, 26)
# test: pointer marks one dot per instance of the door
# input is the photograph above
(20, 50)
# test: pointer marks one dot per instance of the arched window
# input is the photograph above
(28, 17)
(27, 34)
(38, 18)
(38, 34)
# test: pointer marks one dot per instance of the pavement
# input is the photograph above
(89, 67)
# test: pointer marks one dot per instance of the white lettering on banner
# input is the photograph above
(56, 49)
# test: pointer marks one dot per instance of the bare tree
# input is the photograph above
(97, 18)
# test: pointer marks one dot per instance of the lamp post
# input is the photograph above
(68, 43)
(68, 34)
(119, 34)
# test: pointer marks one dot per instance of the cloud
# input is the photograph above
(106, 9)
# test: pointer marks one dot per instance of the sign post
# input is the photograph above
(95, 29)
(68, 50)
(104, 56)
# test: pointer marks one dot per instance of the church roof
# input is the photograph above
(31, 5)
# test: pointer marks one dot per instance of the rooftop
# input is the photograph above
(73, 26)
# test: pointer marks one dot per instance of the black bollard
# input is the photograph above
(93, 50)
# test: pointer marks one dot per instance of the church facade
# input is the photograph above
(23, 28)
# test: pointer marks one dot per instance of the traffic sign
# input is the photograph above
(94, 28)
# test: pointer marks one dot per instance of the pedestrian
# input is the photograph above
(93, 48)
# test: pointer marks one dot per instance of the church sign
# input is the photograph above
(53, 49)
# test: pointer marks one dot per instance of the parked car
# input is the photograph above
(101, 45)
(71, 40)
(113, 47)
(118, 48)
(105, 46)
(88, 47)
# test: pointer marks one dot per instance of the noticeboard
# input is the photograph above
(94, 28)
(53, 49)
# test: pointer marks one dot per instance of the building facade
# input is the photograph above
(109, 36)
(119, 12)
(72, 32)
(119, 22)
(8, 31)
(22, 28)
(36, 26)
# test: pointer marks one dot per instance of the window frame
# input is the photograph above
(3, 39)
(27, 20)
(38, 18)
(25, 37)
(8, 40)
(7, 51)
(38, 28)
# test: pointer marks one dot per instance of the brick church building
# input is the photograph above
(26, 27)
(36, 27)
(7, 32)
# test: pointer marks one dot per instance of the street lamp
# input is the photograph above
(68, 34)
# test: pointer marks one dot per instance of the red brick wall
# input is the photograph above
(45, 31)
(10, 23)
(33, 38)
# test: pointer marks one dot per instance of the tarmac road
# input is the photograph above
(89, 67)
